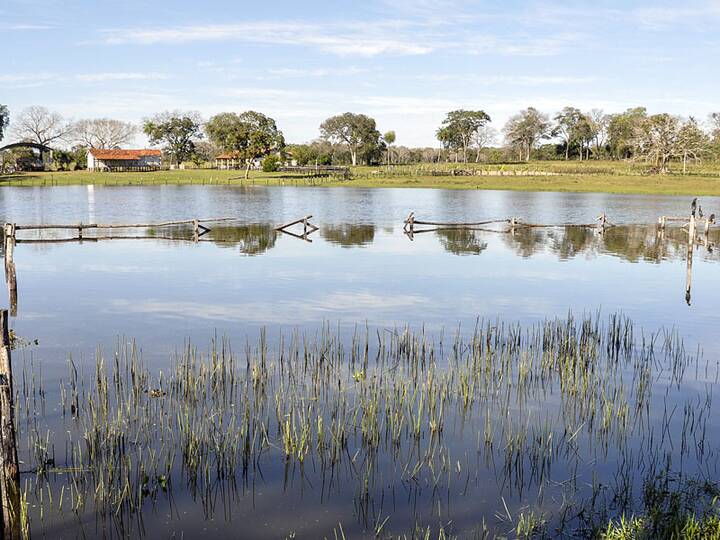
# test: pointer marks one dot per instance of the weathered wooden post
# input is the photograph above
(10, 273)
(196, 230)
(661, 222)
(692, 229)
(602, 222)
(80, 228)
(9, 471)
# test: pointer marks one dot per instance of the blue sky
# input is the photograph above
(404, 62)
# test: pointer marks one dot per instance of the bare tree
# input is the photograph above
(104, 133)
(484, 136)
(525, 129)
(41, 126)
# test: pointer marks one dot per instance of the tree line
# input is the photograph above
(349, 138)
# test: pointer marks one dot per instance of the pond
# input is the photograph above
(431, 351)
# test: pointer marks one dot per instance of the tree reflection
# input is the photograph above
(461, 241)
(252, 239)
(632, 243)
(349, 235)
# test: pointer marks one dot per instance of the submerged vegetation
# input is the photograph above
(565, 426)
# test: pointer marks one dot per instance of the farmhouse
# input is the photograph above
(123, 160)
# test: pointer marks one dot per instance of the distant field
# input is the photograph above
(592, 176)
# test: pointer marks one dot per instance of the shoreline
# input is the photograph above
(697, 183)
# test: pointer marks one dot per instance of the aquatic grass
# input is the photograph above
(382, 407)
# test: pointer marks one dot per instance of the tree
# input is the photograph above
(250, 135)
(104, 133)
(657, 140)
(566, 127)
(599, 122)
(482, 138)
(460, 128)
(177, 131)
(357, 131)
(524, 130)
(389, 139)
(41, 126)
(4, 120)
(584, 134)
(692, 142)
(622, 131)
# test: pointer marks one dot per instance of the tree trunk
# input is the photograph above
(567, 149)
(247, 169)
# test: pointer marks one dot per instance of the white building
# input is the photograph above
(123, 160)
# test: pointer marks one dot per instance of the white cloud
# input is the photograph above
(354, 305)
(26, 27)
(357, 39)
(119, 76)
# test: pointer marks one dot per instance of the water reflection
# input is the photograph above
(461, 241)
(252, 239)
(348, 234)
(632, 243)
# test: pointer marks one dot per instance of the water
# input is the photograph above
(360, 269)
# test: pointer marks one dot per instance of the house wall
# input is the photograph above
(143, 162)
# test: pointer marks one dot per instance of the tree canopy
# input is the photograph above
(249, 135)
(104, 133)
(177, 131)
(357, 131)
(42, 126)
(460, 128)
(525, 129)
(4, 120)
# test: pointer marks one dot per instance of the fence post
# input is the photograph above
(9, 472)
(10, 273)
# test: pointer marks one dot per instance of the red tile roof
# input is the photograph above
(123, 154)
(228, 155)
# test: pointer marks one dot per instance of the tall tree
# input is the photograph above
(484, 136)
(460, 128)
(389, 139)
(657, 140)
(250, 135)
(692, 142)
(41, 126)
(4, 120)
(178, 131)
(104, 133)
(599, 122)
(357, 131)
(525, 129)
(566, 127)
(622, 131)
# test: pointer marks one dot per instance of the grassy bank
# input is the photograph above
(595, 176)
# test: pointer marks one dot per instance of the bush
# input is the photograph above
(271, 164)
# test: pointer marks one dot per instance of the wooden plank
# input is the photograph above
(301, 220)
(78, 226)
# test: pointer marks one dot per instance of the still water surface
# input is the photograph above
(359, 269)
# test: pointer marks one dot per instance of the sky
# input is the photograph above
(404, 62)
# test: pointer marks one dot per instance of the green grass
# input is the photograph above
(592, 176)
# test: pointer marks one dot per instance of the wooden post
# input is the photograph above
(80, 228)
(692, 228)
(10, 273)
(602, 219)
(661, 222)
(196, 230)
(9, 472)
